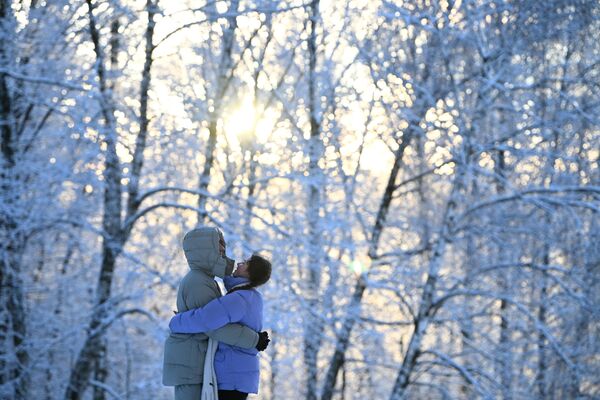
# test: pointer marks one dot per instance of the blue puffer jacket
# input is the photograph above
(236, 368)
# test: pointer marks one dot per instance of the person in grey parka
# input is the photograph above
(184, 354)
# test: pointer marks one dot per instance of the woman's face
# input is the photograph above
(242, 269)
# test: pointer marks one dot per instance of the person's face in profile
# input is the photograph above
(242, 269)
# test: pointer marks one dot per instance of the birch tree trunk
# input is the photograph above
(249, 149)
(225, 74)
(504, 345)
(353, 310)
(100, 366)
(116, 232)
(313, 330)
(425, 311)
(112, 243)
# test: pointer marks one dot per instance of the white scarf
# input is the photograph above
(210, 390)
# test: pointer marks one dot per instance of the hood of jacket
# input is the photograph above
(201, 248)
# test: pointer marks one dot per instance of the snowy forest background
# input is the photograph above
(424, 174)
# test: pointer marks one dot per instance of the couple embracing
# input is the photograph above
(212, 351)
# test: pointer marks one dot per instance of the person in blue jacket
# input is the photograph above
(236, 368)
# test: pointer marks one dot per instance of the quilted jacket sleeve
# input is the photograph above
(217, 313)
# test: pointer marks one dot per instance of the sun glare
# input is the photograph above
(246, 123)
(240, 123)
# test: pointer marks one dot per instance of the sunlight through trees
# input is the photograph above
(424, 175)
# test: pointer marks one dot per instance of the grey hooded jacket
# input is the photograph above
(184, 353)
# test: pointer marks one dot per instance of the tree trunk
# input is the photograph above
(313, 325)
(137, 163)
(542, 363)
(425, 312)
(13, 329)
(274, 363)
(93, 346)
(60, 298)
(225, 69)
(504, 347)
(115, 235)
(100, 365)
(343, 337)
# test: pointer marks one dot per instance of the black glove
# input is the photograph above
(263, 341)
